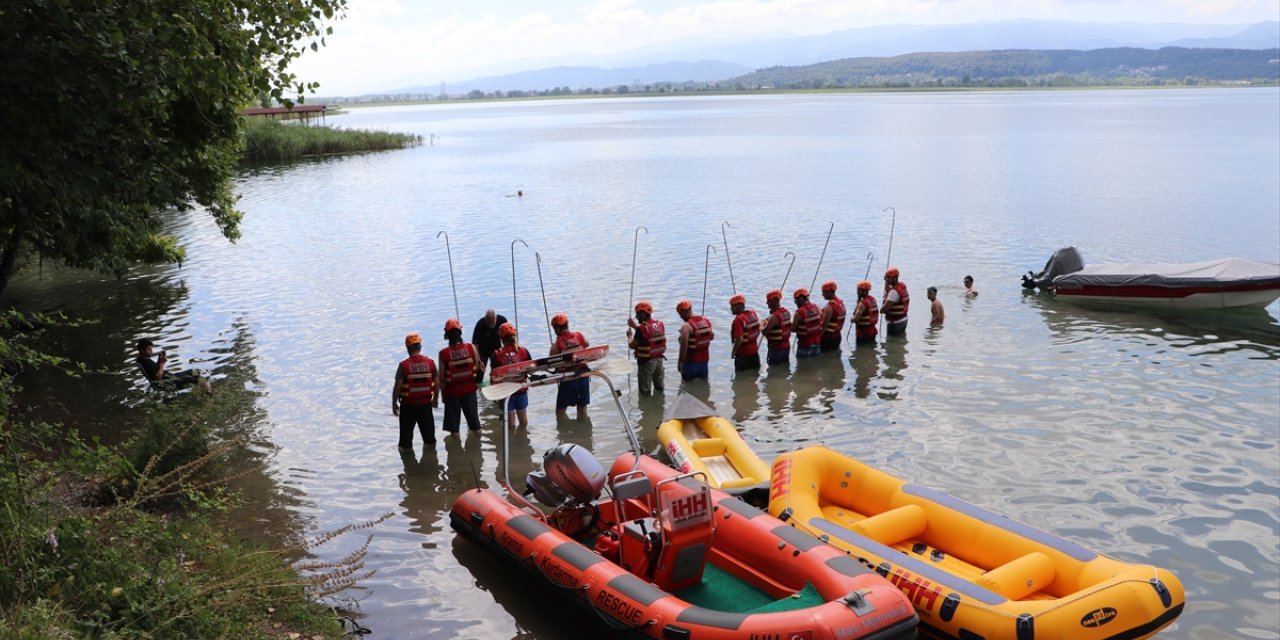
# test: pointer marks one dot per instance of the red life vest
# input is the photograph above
(808, 325)
(700, 337)
(779, 335)
(746, 325)
(896, 311)
(459, 362)
(417, 380)
(651, 340)
(570, 341)
(866, 323)
(509, 354)
(836, 322)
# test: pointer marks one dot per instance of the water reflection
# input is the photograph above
(865, 362)
(895, 364)
(746, 395)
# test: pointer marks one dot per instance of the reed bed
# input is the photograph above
(268, 140)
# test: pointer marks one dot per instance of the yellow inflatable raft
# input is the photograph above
(697, 440)
(969, 572)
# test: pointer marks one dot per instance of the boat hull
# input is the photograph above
(746, 539)
(969, 572)
(1241, 297)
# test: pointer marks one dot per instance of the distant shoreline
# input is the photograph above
(835, 90)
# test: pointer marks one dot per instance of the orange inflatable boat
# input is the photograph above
(654, 553)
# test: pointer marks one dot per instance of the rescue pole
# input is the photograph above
(635, 244)
(726, 255)
(515, 306)
(705, 268)
(783, 288)
(888, 262)
(870, 258)
(824, 254)
(537, 257)
(449, 253)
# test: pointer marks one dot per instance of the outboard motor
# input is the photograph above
(1063, 261)
(570, 475)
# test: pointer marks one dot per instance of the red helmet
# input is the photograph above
(773, 294)
(891, 273)
(560, 320)
(507, 329)
(829, 285)
(737, 299)
(644, 306)
(865, 285)
(412, 339)
(801, 293)
(683, 306)
(452, 323)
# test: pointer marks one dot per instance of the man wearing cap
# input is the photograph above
(832, 318)
(745, 332)
(807, 325)
(866, 315)
(414, 394)
(896, 303)
(158, 376)
(517, 404)
(571, 393)
(461, 369)
(648, 337)
(695, 343)
(777, 329)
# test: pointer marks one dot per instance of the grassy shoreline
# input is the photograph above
(270, 140)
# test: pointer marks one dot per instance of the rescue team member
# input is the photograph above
(745, 332)
(510, 352)
(866, 315)
(650, 345)
(414, 394)
(572, 393)
(777, 329)
(695, 343)
(807, 325)
(460, 370)
(832, 317)
(896, 303)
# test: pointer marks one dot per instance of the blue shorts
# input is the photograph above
(518, 401)
(574, 393)
(779, 356)
(694, 370)
(809, 351)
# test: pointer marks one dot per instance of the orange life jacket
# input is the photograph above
(699, 347)
(866, 323)
(835, 324)
(417, 380)
(459, 363)
(808, 325)
(779, 335)
(898, 310)
(746, 332)
(651, 339)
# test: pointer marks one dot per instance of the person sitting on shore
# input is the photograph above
(159, 377)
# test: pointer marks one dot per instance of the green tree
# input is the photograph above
(116, 111)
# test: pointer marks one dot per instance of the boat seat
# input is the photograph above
(1020, 577)
(893, 526)
(634, 486)
(706, 447)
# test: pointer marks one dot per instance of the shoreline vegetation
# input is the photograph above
(269, 140)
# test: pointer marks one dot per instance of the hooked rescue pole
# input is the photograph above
(888, 262)
(870, 257)
(635, 244)
(515, 306)
(537, 257)
(452, 282)
(706, 268)
(824, 255)
(726, 254)
(783, 288)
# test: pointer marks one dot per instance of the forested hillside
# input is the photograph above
(1170, 65)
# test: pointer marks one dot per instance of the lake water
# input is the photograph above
(1151, 437)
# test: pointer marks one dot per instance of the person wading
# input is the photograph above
(807, 325)
(517, 405)
(649, 340)
(695, 343)
(571, 393)
(866, 315)
(777, 329)
(461, 369)
(485, 335)
(896, 303)
(414, 394)
(832, 317)
(745, 332)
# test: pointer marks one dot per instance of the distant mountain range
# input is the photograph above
(694, 62)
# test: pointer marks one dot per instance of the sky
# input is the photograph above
(382, 45)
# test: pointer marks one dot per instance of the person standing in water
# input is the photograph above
(896, 303)
(517, 404)
(695, 343)
(414, 395)
(777, 329)
(745, 332)
(832, 318)
(571, 393)
(969, 291)
(650, 345)
(460, 371)
(866, 315)
(936, 313)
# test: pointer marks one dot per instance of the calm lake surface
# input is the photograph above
(1150, 437)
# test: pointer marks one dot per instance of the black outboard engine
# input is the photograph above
(570, 476)
(1063, 261)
